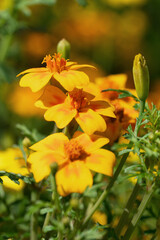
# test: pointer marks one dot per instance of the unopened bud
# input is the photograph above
(64, 48)
(74, 203)
(54, 168)
(141, 77)
(26, 142)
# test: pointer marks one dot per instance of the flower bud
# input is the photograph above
(141, 77)
(26, 142)
(64, 48)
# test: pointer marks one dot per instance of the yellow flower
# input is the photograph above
(123, 107)
(75, 159)
(6, 4)
(57, 68)
(77, 104)
(100, 217)
(12, 160)
(21, 101)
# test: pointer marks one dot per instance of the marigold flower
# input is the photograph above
(124, 110)
(75, 158)
(123, 106)
(58, 68)
(76, 104)
(11, 160)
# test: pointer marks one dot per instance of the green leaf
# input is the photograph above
(48, 228)
(46, 210)
(34, 134)
(15, 177)
(125, 151)
(123, 93)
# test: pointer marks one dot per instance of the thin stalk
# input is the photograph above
(111, 183)
(46, 221)
(54, 192)
(139, 213)
(33, 222)
(57, 202)
(124, 217)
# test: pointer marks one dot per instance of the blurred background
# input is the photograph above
(105, 33)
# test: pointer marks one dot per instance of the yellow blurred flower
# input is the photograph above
(75, 159)
(77, 104)
(57, 68)
(117, 3)
(21, 101)
(11, 160)
(42, 41)
(100, 217)
(4, 4)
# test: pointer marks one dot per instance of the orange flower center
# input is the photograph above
(55, 63)
(78, 99)
(75, 151)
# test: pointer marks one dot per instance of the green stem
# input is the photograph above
(138, 122)
(139, 213)
(142, 105)
(46, 221)
(55, 193)
(111, 183)
(57, 202)
(124, 217)
(4, 47)
(33, 222)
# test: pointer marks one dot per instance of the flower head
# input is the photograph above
(75, 159)
(57, 68)
(77, 104)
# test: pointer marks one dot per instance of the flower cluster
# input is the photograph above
(67, 99)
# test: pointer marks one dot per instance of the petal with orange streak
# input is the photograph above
(101, 161)
(50, 97)
(61, 114)
(53, 142)
(39, 163)
(71, 79)
(74, 177)
(90, 121)
(33, 70)
(35, 81)
(90, 143)
(103, 107)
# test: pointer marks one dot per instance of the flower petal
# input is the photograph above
(90, 121)
(39, 163)
(71, 79)
(50, 97)
(101, 161)
(62, 114)
(74, 177)
(53, 142)
(90, 143)
(35, 81)
(33, 70)
(77, 66)
(103, 107)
